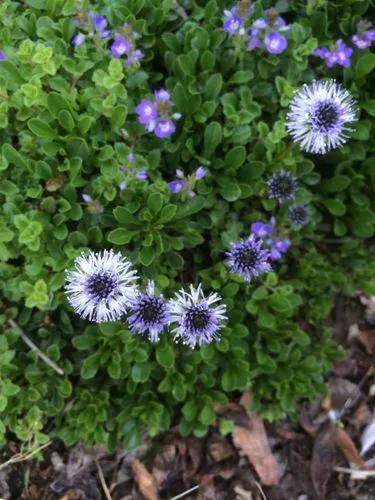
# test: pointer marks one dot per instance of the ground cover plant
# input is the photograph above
(188, 145)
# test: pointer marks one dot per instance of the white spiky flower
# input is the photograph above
(198, 320)
(319, 115)
(100, 285)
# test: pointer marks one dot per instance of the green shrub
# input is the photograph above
(67, 122)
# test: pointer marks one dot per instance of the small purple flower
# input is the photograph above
(278, 247)
(248, 258)
(2, 56)
(123, 185)
(275, 43)
(321, 52)
(198, 318)
(260, 229)
(343, 54)
(164, 128)
(134, 57)
(146, 111)
(142, 175)
(299, 215)
(282, 186)
(161, 95)
(148, 313)
(176, 186)
(120, 46)
(253, 42)
(365, 35)
(78, 39)
(200, 172)
(232, 23)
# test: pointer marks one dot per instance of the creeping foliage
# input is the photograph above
(79, 172)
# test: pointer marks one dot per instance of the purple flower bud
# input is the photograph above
(322, 52)
(142, 175)
(164, 128)
(135, 56)
(161, 95)
(176, 186)
(275, 43)
(2, 56)
(105, 33)
(180, 173)
(232, 24)
(260, 24)
(192, 194)
(87, 198)
(131, 157)
(78, 39)
(99, 23)
(123, 169)
(253, 42)
(260, 229)
(120, 46)
(123, 185)
(200, 172)
(146, 111)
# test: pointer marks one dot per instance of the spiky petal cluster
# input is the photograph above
(248, 258)
(282, 186)
(148, 313)
(198, 319)
(318, 116)
(99, 287)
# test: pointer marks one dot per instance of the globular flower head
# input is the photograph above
(146, 111)
(275, 43)
(198, 319)
(319, 115)
(248, 258)
(164, 128)
(148, 313)
(100, 285)
(282, 186)
(120, 46)
(299, 215)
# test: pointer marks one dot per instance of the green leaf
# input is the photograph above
(147, 255)
(213, 86)
(241, 76)
(40, 128)
(235, 157)
(165, 356)
(56, 103)
(167, 213)
(13, 156)
(207, 415)
(212, 138)
(337, 183)
(66, 120)
(365, 65)
(120, 236)
(230, 190)
(190, 207)
(10, 73)
(369, 106)
(141, 372)
(155, 202)
(335, 207)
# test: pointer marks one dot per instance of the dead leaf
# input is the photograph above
(367, 339)
(253, 442)
(324, 458)
(145, 481)
(368, 437)
(165, 464)
(347, 447)
(344, 394)
(360, 417)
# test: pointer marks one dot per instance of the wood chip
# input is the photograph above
(145, 481)
(347, 447)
